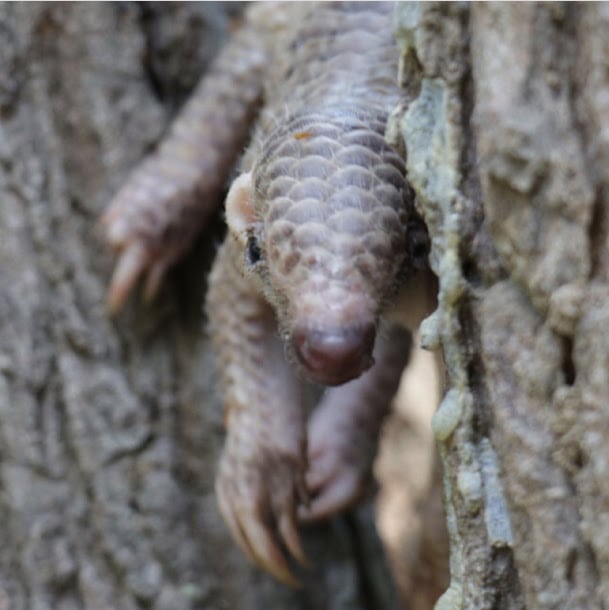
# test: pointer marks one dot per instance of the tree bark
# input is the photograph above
(110, 429)
(505, 128)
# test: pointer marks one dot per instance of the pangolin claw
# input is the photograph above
(233, 525)
(290, 537)
(262, 519)
(154, 277)
(266, 548)
(136, 258)
(131, 263)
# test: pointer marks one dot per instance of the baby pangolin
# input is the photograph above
(322, 235)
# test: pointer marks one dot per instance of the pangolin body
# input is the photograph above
(322, 231)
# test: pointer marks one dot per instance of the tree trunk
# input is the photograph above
(110, 429)
(508, 150)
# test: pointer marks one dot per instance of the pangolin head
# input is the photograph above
(325, 215)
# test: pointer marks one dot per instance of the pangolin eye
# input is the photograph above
(253, 253)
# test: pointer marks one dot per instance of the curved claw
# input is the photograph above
(260, 511)
(130, 265)
(136, 259)
(233, 525)
(154, 278)
(290, 537)
(268, 554)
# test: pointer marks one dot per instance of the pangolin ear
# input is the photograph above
(240, 213)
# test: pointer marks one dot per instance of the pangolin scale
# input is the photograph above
(322, 235)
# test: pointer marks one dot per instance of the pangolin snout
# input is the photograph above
(334, 356)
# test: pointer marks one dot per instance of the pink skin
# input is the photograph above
(343, 431)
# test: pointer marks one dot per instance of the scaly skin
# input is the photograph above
(261, 475)
(322, 232)
(156, 215)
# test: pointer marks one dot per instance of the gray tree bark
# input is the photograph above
(110, 429)
(506, 132)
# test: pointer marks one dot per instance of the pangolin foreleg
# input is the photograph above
(260, 480)
(344, 429)
(155, 216)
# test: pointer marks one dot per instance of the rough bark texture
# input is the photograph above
(110, 429)
(508, 151)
